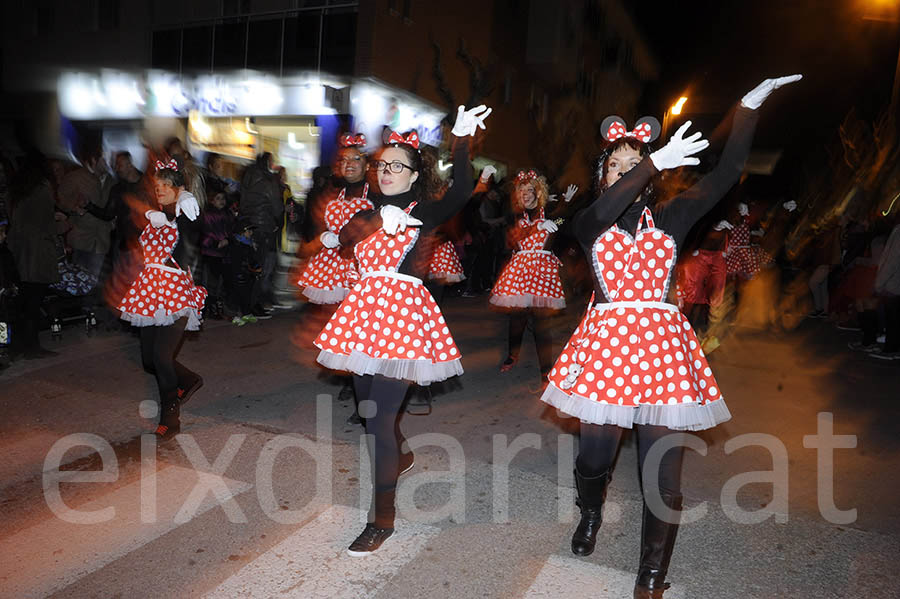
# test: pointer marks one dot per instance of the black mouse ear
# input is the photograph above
(647, 129)
(613, 127)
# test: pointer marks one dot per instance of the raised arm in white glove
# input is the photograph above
(157, 218)
(468, 121)
(329, 240)
(394, 220)
(723, 224)
(187, 205)
(487, 173)
(548, 225)
(571, 190)
(758, 94)
(790, 205)
(552, 197)
(743, 209)
(679, 150)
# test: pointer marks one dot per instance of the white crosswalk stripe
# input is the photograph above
(53, 554)
(570, 577)
(312, 563)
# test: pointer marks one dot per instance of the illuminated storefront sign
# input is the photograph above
(375, 105)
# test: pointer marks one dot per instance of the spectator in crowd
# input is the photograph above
(887, 286)
(262, 205)
(216, 227)
(245, 270)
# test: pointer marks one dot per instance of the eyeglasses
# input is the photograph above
(396, 166)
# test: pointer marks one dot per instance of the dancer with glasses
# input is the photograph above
(634, 361)
(389, 332)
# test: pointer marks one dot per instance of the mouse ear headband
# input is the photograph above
(646, 129)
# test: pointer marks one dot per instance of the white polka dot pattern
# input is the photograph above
(445, 264)
(531, 277)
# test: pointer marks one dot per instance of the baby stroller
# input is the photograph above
(69, 300)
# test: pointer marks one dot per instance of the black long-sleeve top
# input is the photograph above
(618, 204)
(432, 214)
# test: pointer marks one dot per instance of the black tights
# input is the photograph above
(159, 346)
(518, 322)
(600, 442)
(385, 438)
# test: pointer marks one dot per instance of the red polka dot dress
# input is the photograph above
(389, 324)
(742, 258)
(328, 278)
(531, 277)
(636, 359)
(163, 292)
(445, 265)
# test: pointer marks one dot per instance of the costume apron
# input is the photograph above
(531, 277)
(389, 324)
(162, 294)
(635, 359)
(328, 278)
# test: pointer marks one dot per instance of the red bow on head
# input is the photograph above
(411, 140)
(642, 132)
(525, 176)
(171, 164)
(349, 141)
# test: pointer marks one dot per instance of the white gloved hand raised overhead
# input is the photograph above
(468, 121)
(679, 150)
(756, 96)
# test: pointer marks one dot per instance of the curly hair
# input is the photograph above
(598, 182)
(541, 191)
(427, 187)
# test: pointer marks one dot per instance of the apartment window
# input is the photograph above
(196, 48)
(166, 49)
(264, 44)
(231, 8)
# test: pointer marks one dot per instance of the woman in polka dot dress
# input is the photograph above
(328, 277)
(634, 361)
(164, 301)
(389, 332)
(445, 266)
(744, 259)
(529, 284)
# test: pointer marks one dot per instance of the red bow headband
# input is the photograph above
(411, 140)
(349, 141)
(171, 164)
(525, 176)
(646, 130)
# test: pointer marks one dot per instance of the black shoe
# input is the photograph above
(260, 313)
(420, 402)
(591, 496)
(657, 543)
(184, 395)
(369, 540)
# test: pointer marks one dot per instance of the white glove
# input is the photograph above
(547, 225)
(394, 220)
(790, 205)
(329, 240)
(758, 94)
(743, 209)
(552, 197)
(487, 173)
(157, 219)
(571, 190)
(723, 224)
(758, 232)
(468, 121)
(679, 149)
(187, 205)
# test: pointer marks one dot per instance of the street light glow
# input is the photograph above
(676, 108)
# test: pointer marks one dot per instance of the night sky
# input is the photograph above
(715, 51)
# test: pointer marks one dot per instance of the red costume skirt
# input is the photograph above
(530, 280)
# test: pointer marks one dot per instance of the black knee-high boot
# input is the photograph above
(657, 543)
(591, 495)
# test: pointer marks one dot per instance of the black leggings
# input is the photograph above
(159, 346)
(518, 322)
(384, 429)
(600, 442)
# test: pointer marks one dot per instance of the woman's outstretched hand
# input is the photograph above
(679, 150)
(758, 94)
(468, 121)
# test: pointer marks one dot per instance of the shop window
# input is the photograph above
(229, 47)
(339, 42)
(301, 41)
(196, 48)
(264, 44)
(166, 49)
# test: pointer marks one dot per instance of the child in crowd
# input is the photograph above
(216, 226)
(245, 269)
